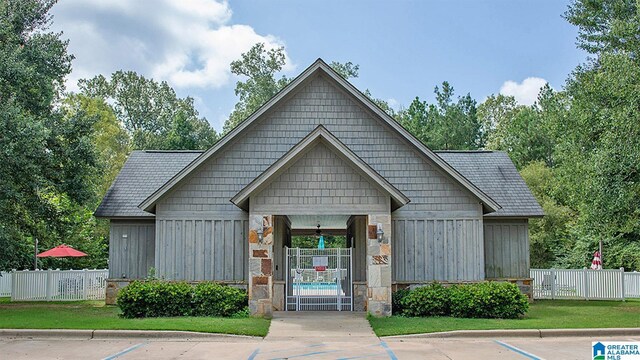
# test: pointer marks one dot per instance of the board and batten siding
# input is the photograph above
(196, 249)
(317, 102)
(131, 248)
(320, 182)
(437, 249)
(506, 248)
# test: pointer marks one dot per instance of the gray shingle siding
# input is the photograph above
(320, 179)
(210, 187)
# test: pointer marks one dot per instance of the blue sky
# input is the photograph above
(404, 48)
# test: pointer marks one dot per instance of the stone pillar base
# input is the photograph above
(360, 296)
(261, 265)
(379, 265)
(113, 287)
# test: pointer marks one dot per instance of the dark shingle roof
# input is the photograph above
(494, 173)
(146, 171)
(142, 174)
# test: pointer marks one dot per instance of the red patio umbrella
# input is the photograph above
(62, 251)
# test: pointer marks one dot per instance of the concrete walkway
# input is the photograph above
(321, 335)
(320, 326)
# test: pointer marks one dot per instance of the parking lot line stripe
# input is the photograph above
(386, 347)
(253, 354)
(519, 351)
(129, 349)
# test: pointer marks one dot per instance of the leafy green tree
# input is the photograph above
(311, 241)
(259, 66)
(496, 114)
(110, 140)
(551, 237)
(347, 70)
(43, 154)
(151, 112)
(417, 119)
(446, 125)
(606, 25)
(526, 133)
(599, 157)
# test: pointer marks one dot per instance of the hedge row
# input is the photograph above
(161, 299)
(488, 300)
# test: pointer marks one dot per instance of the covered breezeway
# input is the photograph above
(307, 278)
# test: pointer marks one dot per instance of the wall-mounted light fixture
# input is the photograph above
(380, 233)
(260, 234)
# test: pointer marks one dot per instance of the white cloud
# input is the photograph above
(188, 43)
(526, 92)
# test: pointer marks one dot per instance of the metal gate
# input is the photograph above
(319, 279)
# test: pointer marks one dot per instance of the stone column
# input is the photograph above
(261, 265)
(379, 265)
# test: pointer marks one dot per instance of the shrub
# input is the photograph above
(488, 300)
(210, 299)
(481, 300)
(396, 300)
(431, 300)
(155, 299)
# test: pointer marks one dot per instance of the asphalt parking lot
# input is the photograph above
(257, 349)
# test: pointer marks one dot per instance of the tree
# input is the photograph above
(524, 132)
(599, 157)
(447, 124)
(416, 119)
(496, 114)
(151, 112)
(260, 67)
(551, 237)
(347, 70)
(110, 140)
(311, 241)
(43, 154)
(606, 25)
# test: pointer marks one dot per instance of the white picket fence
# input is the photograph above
(585, 284)
(5, 284)
(58, 285)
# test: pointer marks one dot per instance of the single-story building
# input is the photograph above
(319, 158)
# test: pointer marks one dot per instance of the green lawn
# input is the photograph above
(543, 314)
(95, 315)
